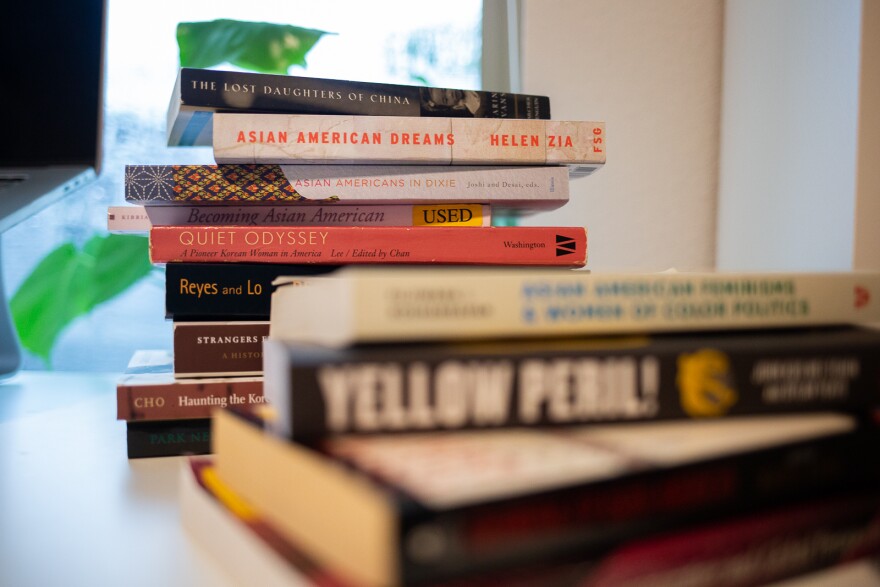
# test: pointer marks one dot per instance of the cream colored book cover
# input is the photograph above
(388, 304)
(317, 139)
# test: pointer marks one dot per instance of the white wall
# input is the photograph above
(652, 71)
(788, 134)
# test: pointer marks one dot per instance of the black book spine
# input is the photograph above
(758, 548)
(229, 91)
(387, 389)
(167, 438)
(225, 291)
(578, 523)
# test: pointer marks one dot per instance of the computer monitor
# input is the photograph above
(51, 111)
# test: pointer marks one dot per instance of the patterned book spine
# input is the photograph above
(273, 138)
(199, 92)
(334, 245)
(205, 349)
(543, 187)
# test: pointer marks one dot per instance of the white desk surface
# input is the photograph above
(74, 511)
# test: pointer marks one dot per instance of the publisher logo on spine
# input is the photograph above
(862, 296)
(565, 245)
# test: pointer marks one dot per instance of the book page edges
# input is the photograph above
(339, 518)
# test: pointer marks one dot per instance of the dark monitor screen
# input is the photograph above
(52, 70)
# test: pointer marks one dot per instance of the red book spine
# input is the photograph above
(184, 399)
(337, 245)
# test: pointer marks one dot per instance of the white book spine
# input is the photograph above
(414, 304)
(402, 140)
(121, 219)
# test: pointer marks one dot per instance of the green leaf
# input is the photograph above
(69, 283)
(256, 46)
(116, 262)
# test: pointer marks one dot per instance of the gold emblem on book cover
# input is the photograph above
(703, 382)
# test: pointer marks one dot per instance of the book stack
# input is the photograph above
(529, 427)
(512, 425)
(312, 175)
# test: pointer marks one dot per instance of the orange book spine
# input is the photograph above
(338, 245)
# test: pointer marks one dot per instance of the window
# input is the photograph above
(386, 41)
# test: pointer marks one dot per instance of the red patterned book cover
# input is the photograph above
(534, 246)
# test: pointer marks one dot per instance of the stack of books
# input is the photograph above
(462, 426)
(537, 426)
(312, 175)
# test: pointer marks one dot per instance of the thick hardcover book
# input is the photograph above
(226, 291)
(371, 389)
(215, 348)
(350, 245)
(361, 304)
(141, 218)
(733, 551)
(168, 438)
(431, 506)
(198, 93)
(543, 187)
(395, 140)
(149, 391)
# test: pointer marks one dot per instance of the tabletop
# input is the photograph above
(74, 510)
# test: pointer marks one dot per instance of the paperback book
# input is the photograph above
(768, 545)
(168, 438)
(354, 245)
(140, 219)
(396, 140)
(378, 389)
(219, 348)
(434, 506)
(123, 219)
(198, 93)
(375, 304)
(324, 186)
(149, 391)
(227, 291)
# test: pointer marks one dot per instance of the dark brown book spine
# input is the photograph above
(206, 349)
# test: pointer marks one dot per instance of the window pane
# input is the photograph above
(408, 44)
